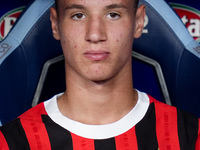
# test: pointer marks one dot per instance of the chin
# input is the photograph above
(101, 80)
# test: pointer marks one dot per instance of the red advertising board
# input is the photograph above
(8, 20)
(190, 17)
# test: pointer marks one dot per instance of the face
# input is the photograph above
(97, 36)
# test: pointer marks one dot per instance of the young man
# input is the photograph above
(100, 110)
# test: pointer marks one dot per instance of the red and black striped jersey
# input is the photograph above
(150, 125)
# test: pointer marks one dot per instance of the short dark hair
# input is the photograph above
(56, 4)
(135, 5)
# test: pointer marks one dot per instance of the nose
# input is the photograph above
(96, 30)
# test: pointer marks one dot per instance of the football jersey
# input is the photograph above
(150, 125)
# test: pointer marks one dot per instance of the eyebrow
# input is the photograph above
(74, 6)
(113, 6)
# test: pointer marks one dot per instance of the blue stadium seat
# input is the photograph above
(22, 56)
(167, 41)
(166, 61)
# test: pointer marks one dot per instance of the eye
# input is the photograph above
(78, 16)
(113, 15)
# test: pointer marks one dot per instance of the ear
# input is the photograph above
(139, 21)
(54, 23)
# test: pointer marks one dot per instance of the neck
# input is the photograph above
(98, 102)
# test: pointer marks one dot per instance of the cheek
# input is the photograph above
(69, 41)
(123, 44)
(119, 38)
(124, 41)
(71, 34)
(69, 47)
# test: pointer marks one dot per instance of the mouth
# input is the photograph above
(96, 55)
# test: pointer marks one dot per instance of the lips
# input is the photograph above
(96, 55)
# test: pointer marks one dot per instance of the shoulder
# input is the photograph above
(162, 108)
(172, 110)
(186, 125)
(34, 114)
(14, 133)
(186, 122)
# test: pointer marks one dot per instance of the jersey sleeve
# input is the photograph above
(197, 146)
(3, 145)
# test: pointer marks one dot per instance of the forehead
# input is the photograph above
(96, 3)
